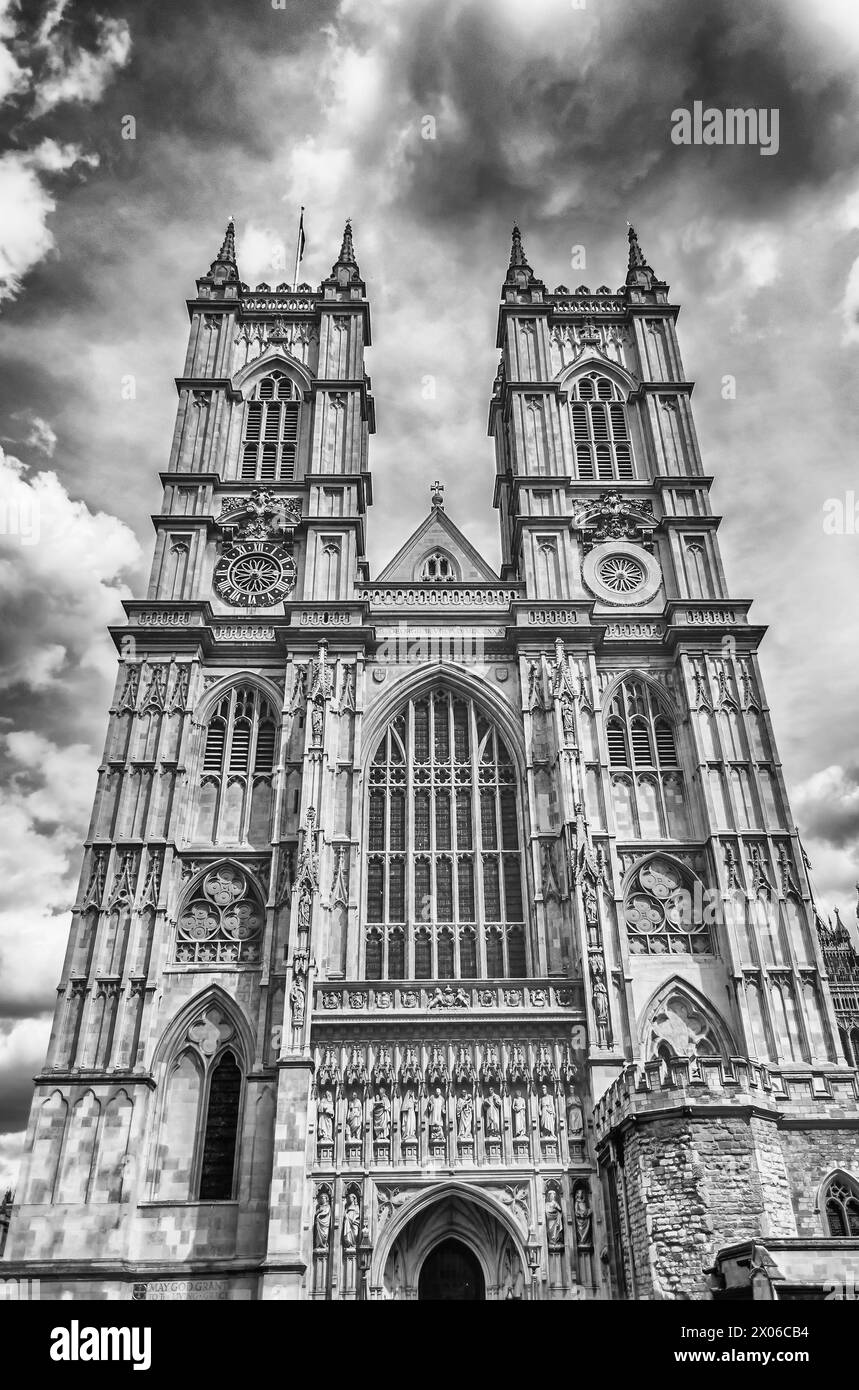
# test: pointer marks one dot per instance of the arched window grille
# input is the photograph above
(647, 782)
(444, 873)
(600, 429)
(235, 792)
(841, 1205)
(270, 437)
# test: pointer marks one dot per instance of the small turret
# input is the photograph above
(639, 274)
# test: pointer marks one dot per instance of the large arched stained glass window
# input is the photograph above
(444, 872)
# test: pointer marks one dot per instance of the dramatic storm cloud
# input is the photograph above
(434, 126)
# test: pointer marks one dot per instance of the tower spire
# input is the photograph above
(519, 271)
(639, 273)
(224, 268)
(345, 269)
(517, 252)
(347, 249)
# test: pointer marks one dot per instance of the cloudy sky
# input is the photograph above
(554, 113)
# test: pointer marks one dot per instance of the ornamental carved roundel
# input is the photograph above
(255, 574)
(622, 574)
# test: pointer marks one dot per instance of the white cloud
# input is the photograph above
(265, 255)
(11, 1153)
(61, 593)
(23, 1045)
(13, 78)
(74, 74)
(65, 72)
(826, 807)
(39, 434)
(850, 307)
(43, 818)
(26, 203)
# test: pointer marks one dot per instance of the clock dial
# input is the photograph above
(255, 574)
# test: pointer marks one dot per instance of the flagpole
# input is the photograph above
(298, 249)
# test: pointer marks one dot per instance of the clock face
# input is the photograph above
(255, 574)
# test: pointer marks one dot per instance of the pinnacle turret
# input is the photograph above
(224, 269)
(347, 249)
(639, 272)
(519, 272)
(345, 269)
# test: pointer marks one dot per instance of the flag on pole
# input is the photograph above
(299, 248)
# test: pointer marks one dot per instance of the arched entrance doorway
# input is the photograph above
(450, 1242)
(451, 1272)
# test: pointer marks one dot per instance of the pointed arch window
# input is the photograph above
(270, 435)
(235, 789)
(681, 1026)
(198, 1134)
(438, 568)
(600, 429)
(444, 873)
(841, 1205)
(647, 782)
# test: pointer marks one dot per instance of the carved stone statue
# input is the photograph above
(520, 1116)
(584, 1221)
(575, 1119)
(548, 1114)
(354, 1119)
(381, 1116)
(599, 996)
(492, 1113)
(408, 1114)
(351, 1222)
(465, 1116)
(512, 1278)
(322, 1221)
(436, 1112)
(325, 1118)
(304, 912)
(297, 998)
(554, 1219)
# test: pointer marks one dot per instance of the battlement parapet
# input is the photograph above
(689, 1085)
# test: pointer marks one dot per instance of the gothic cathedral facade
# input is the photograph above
(444, 934)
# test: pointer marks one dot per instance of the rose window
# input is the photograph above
(621, 573)
(222, 924)
(662, 915)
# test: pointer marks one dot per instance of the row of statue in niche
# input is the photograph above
(353, 1229)
(444, 1111)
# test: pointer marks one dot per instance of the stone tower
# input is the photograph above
(445, 934)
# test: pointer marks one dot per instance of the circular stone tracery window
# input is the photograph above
(621, 574)
(222, 923)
